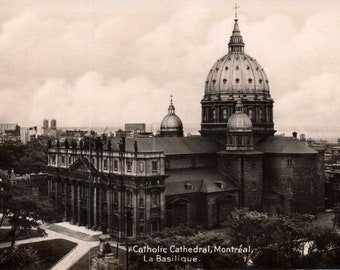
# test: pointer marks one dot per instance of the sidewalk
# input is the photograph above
(83, 246)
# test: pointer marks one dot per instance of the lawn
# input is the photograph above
(28, 234)
(50, 251)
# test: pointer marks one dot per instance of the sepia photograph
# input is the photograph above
(173, 135)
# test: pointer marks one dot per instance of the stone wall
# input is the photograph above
(297, 178)
(245, 169)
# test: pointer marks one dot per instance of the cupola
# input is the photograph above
(171, 125)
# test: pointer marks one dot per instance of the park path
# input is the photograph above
(74, 255)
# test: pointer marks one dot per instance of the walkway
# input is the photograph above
(85, 239)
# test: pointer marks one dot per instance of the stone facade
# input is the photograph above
(117, 192)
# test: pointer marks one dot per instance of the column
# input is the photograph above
(109, 209)
(100, 207)
(121, 206)
(79, 205)
(162, 209)
(89, 207)
(95, 206)
(134, 209)
(147, 213)
(56, 190)
(65, 201)
(49, 188)
(72, 203)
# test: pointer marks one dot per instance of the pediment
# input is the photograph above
(82, 165)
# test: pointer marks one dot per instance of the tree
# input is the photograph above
(323, 248)
(23, 158)
(106, 264)
(336, 220)
(281, 242)
(26, 213)
(23, 212)
(280, 238)
(5, 197)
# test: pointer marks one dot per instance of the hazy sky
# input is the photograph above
(104, 63)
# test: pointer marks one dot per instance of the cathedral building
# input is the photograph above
(130, 187)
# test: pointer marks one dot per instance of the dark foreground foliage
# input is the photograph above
(276, 243)
(38, 255)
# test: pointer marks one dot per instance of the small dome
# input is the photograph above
(171, 124)
(239, 121)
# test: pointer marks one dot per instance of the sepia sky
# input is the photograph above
(105, 63)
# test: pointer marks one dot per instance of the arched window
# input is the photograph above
(141, 202)
(213, 113)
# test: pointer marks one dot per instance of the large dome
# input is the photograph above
(235, 76)
(171, 124)
(237, 72)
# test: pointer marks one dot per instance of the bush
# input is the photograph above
(20, 258)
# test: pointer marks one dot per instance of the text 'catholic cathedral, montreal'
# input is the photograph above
(130, 187)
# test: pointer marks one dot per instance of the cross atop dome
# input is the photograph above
(171, 108)
(236, 43)
(236, 7)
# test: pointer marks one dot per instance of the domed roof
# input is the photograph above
(171, 122)
(237, 72)
(239, 121)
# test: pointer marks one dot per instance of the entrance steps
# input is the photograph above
(78, 232)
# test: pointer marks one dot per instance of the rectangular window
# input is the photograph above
(128, 198)
(129, 165)
(189, 187)
(224, 114)
(53, 158)
(115, 165)
(290, 183)
(62, 159)
(105, 164)
(154, 166)
(289, 162)
(69, 159)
